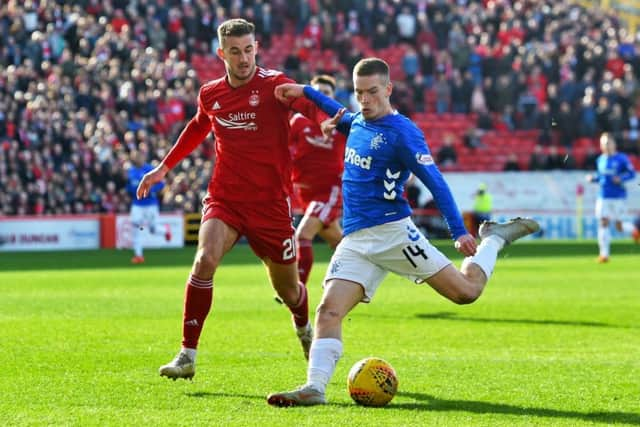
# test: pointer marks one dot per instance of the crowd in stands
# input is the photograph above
(84, 83)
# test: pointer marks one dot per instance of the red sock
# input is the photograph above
(301, 310)
(305, 259)
(198, 296)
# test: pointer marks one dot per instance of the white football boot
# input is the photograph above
(305, 335)
(182, 366)
(303, 396)
(510, 231)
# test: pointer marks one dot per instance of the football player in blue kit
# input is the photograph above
(383, 148)
(613, 170)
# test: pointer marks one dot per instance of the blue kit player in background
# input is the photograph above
(383, 147)
(144, 212)
(613, 169)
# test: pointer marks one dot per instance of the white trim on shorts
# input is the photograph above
(366, 256)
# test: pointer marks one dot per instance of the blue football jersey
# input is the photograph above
(608, 167)
(379, 157)
(134, 176)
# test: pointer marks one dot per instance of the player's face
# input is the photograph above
(372, 94)
(239, 56)
(607, 145)
(324, 88)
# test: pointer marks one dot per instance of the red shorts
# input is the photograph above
(268, 226)
(325, 205)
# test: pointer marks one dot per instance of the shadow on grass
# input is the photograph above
(431, 403)
(445, 315)
(427, 402)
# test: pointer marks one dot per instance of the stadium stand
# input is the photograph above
(84, 83)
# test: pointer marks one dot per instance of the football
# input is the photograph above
(372, 382)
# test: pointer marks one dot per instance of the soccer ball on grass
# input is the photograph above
(372, 382)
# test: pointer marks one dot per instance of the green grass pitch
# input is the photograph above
(554, 340)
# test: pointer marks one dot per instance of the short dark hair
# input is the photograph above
(371, 67)
(236, 27)
(324, 79)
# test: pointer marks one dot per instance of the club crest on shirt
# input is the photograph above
(377, 141)
(254, 99)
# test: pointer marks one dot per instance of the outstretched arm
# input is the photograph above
(193, 134)
(288, 91)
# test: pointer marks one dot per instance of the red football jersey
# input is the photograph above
(317, 163)
(251, 129)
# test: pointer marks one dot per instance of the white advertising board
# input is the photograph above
(175, 222)
(49, 233)
(550, 197)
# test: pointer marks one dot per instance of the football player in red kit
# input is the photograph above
(317, 169)
(249, 192)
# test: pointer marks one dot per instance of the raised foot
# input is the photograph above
(510, 231)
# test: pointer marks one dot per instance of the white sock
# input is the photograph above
(323, 357)
(486, 254)
(137, 241)
(191, 352)
(604, 240)
(627, 228)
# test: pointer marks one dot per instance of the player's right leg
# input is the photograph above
(604, 240)
(340, 296)
(464, 286)
(309, 226)
(137, 224)
(215, 238)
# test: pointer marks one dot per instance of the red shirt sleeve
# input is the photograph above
(192, 135)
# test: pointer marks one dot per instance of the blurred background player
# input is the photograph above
(249, 192)
(318, 161)
(613, 169)
(144, 212)
(482, 206)
(383, 148)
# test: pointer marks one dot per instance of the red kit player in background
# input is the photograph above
(317, 170)
(249, 192)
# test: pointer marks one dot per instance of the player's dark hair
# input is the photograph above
(324, 79)
(371, 67)
(236, 27)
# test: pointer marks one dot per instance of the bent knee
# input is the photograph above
(467, 295)
(205, 264)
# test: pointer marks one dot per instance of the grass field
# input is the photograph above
(554, 340)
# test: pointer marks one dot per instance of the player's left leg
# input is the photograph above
(271, 235)
(284, 279)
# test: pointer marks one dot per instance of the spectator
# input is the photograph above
(447, 155)
(511, 164)
(539, 160)
(443, 94)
